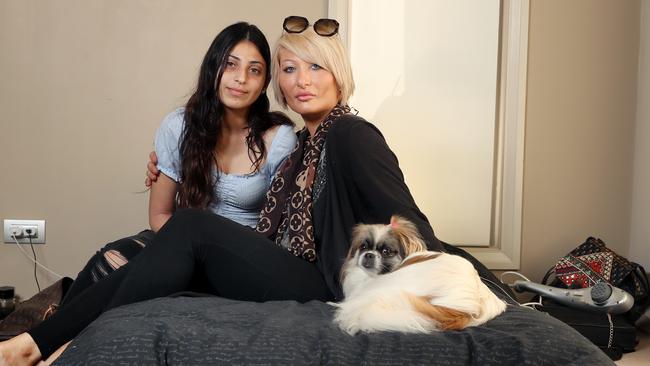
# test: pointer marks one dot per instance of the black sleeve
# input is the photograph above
(378, 181)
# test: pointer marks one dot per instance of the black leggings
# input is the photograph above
(236, 262)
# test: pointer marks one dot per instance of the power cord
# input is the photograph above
(531, 304)
(496, 285)
(527, 305)
(13, 236)
(29, 235)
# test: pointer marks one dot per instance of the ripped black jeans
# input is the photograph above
(108, 259)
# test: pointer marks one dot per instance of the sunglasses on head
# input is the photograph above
(322, 27)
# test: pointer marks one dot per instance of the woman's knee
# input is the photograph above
(128, 247)
(115, 259)
(113, 256)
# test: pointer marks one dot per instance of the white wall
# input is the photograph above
(640, 223)
(436, 97)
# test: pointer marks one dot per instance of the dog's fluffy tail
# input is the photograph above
(445, 318)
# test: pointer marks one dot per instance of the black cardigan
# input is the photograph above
(363, 184)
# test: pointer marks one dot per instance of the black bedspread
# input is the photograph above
(217, 331)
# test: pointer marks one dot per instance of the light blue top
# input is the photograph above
(239, 197)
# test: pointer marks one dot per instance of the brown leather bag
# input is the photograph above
(33, 311)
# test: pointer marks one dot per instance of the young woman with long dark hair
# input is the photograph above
(218, 153)
(224, 146)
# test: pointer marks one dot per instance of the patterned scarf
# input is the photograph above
(287, 215)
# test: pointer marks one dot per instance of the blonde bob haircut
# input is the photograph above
(327, 52)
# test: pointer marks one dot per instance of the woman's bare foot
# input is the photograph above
(54, 356)
(19, 351)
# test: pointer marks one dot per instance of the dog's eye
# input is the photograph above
(387, 252)
(364, 245)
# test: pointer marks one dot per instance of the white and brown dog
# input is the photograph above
(391, 282)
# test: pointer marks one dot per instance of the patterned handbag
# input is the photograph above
(33, 311)
(592, 262)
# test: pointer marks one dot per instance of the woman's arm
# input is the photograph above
(373, 170)
(162, 198)
(165, 159)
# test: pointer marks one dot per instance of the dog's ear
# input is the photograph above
(359, 233)
(408, 234)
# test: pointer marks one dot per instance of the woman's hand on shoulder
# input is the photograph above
(162, 198)
(152, 169)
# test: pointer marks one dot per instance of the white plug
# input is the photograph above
(17, 231)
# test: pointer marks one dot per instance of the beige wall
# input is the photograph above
(83, 85)
(639, 229)
(579, 127)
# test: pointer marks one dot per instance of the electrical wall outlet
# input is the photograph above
(22, 230)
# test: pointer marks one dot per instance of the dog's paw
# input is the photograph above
(350, 329)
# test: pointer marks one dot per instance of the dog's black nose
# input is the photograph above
(368, 260)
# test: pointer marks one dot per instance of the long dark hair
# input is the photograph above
(204, 113)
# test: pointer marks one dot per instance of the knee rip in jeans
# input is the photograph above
(115, 259)
(139, 242)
